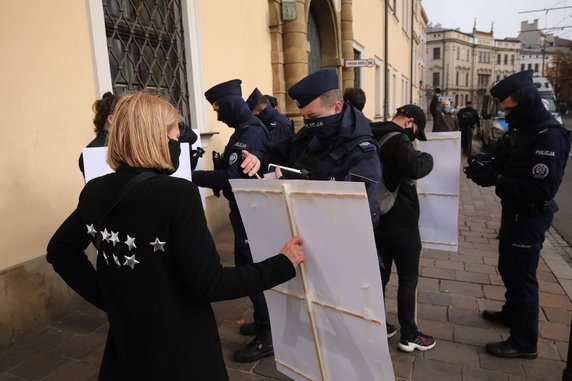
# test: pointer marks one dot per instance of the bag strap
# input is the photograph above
(386, 137)
(122, 193)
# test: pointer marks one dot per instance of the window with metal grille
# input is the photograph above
(145, 40)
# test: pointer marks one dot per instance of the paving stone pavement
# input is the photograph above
(453, 290)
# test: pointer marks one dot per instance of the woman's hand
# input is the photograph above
(294, 251)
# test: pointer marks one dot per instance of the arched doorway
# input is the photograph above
(323, 36)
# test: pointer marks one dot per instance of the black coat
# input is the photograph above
(158, 302)
(400, 159)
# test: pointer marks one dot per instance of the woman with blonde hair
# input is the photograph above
(157, 265)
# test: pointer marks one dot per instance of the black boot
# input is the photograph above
(497, 317)
(258, 348)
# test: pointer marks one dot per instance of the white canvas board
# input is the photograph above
(342, 271)
(95, 165)
(439, 192)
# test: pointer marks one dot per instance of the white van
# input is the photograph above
(548, 96)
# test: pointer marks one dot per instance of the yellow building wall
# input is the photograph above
(368, 31)
(47, 73)
(236, 44)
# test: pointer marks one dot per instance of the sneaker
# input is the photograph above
(391, 330)
(248, 329)
(260, 347)
(421, 342)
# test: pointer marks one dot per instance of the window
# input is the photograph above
(405, 16)
(482, 80)
(436, 79)
(498, 78)
(357, 70)
(467, 54)
(512, 59)
(404, 90)
(458, 53)
(521, 67)
(146, 49)
(378, 87)
(536, 67)
(506, 59)
(436, 53)
(529, 66)
(457, 79)
(456, 99)
(498, 59)
(467, 79)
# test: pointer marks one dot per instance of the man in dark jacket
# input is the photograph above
(279, 126)
(335, 142)
(443, 119)
(397, 236)
(468, 117)
(249, 134)
(526, 169)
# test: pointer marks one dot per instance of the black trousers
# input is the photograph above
(243, 256)
(521, 239)
(466, 138)
(403, 247)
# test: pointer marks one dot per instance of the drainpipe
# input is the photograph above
(412, 55)
(386, 64)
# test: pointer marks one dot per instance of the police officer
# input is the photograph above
(335, 142)
(468, 117)
(526, 169)
(249, 134)
(279, 126)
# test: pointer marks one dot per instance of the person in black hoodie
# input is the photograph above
(335, 142)
(249, 134)
(526, 169)
(397, 236)
(279, 126)
(157, 266)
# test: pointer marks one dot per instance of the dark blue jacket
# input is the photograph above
(250, 134)
(350, 154)
(279, 126)
(531, 157)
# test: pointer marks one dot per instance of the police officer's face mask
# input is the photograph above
(323, 126)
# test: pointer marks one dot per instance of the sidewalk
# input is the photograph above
(453, 290)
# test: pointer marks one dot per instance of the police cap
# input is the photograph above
(231, 87)
(312, 86)
(512, 83)
(253, 98)
(415, 112)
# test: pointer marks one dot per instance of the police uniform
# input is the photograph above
(250, 134)
(530, 162)
(468, 117)
(278, 125)
(338, 147)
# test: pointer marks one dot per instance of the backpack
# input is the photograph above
(384, 196)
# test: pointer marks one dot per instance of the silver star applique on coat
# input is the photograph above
(116, 260)
(157, 245)
(105, 235)
(130, 242)
(91, 230)
(130, 261)
(114, 238)
(106, 258)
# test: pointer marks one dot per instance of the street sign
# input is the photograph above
(370, 62)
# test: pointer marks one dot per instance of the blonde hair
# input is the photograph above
(138, 137)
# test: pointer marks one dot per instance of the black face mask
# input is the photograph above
(323, 127)
(410, 133)
(174, 152)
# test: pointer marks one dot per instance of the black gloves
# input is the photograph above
(481, 169)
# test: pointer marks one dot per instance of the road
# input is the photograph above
(563, 219)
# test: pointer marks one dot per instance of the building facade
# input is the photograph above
(70, 53)
(464, 65)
